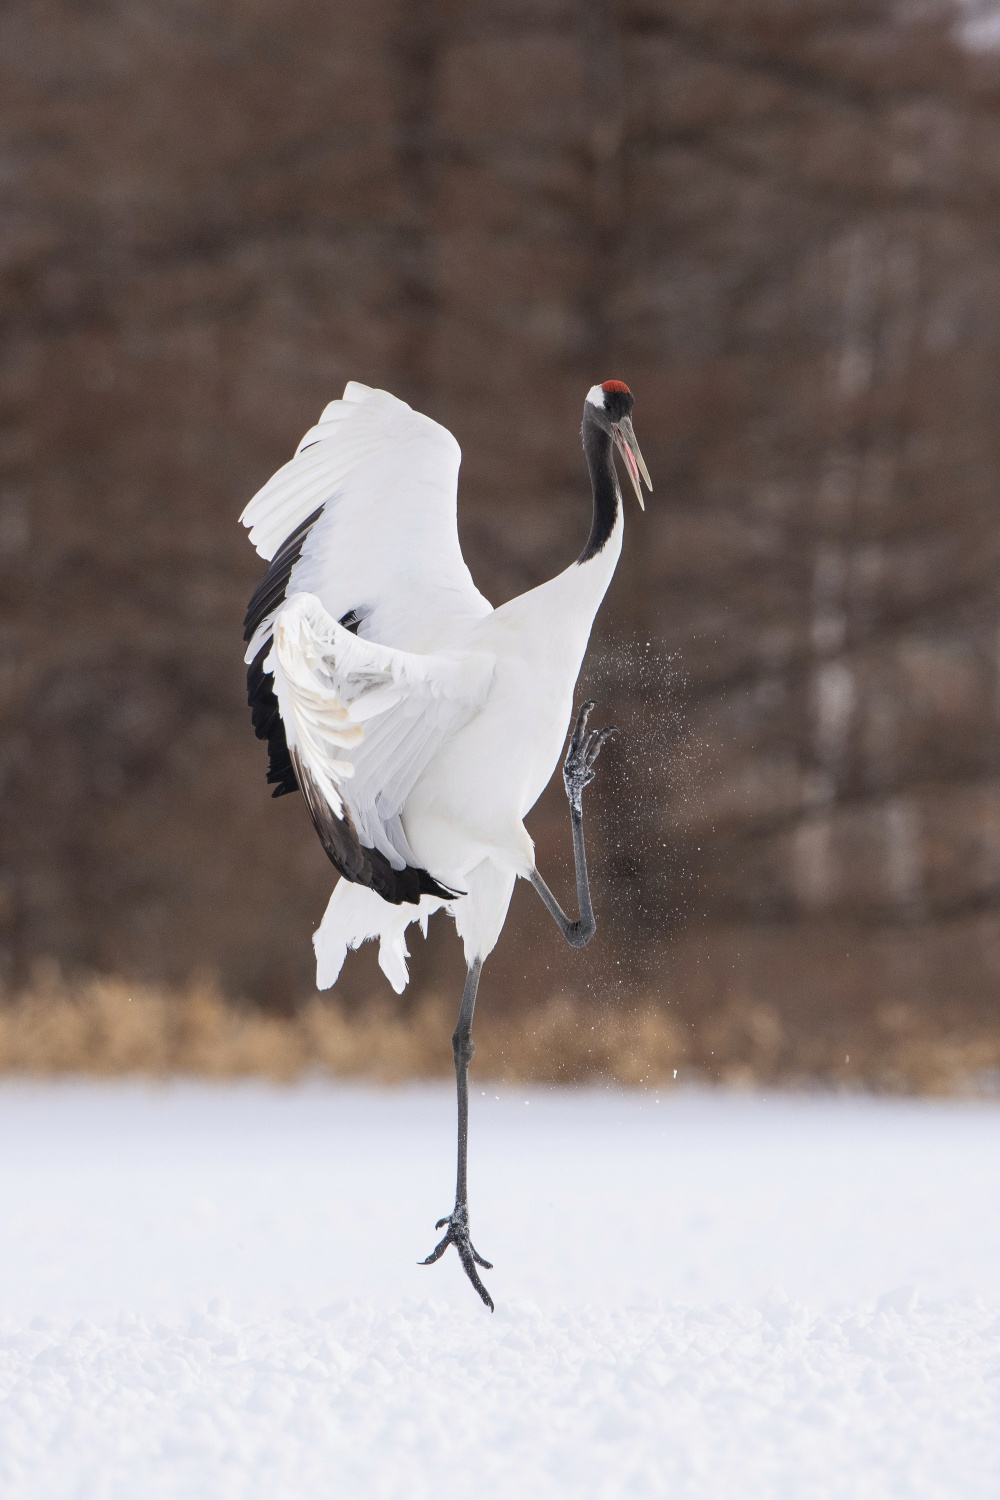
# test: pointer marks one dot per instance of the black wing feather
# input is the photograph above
(362, 866)
(268, 724)
(270, 592)
(288, 773)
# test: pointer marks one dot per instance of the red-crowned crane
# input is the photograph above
(419, 723)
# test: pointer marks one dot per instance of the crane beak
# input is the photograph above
(629, 449)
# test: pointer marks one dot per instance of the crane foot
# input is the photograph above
(584, 748)
(458, 1235)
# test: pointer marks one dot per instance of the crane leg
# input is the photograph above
(458, 1220)
(578, 772)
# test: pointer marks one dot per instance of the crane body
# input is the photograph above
(420, 724)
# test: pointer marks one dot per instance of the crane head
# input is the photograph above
(611, 407)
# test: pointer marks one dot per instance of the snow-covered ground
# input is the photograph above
(213, 1292)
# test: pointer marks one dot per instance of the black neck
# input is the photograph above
(597, 446)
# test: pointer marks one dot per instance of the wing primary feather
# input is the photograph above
(261, 698)
(268, 724)
(337, 835)
(360, 865)
(270, 592)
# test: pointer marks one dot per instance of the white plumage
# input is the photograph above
(439, 723)
(419, 723)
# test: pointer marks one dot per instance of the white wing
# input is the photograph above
(362, 721)
(364, 517)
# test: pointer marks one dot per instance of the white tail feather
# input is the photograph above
(354, 915)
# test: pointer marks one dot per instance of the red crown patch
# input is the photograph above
(616, 385)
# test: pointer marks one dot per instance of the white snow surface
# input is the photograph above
(213, 1292)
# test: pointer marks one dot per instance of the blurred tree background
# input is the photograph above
(777, 220)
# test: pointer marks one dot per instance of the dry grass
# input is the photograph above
(105, 1026)
(108, 1027)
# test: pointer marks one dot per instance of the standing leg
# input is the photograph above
(458, 1220)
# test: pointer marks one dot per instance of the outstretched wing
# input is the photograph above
(368, 508)
(362, 722)
(364, 517)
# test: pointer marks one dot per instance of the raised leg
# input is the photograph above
(578, 772)
(458, 1220)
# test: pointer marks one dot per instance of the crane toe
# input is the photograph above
(458, 1235)
(584, 748)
